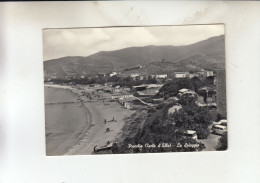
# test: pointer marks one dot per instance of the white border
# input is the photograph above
(22, 141)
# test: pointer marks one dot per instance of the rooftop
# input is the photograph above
(183, 90)
(181, 72)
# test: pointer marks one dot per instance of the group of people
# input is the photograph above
(105, 121)
(113, 120)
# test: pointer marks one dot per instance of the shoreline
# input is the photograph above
(61, 133)
(94, 133)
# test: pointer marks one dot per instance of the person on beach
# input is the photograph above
(105, 121)
(95, 148)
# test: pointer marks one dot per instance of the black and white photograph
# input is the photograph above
(146, 89)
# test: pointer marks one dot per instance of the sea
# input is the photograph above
(64, 120)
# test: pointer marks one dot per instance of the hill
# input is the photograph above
(207, 54)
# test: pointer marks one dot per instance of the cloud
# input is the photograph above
(86, 41)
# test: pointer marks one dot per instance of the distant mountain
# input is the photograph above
(207, 54)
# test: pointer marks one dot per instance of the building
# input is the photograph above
(112, 74)
(139, 88)
(174, 108)
(123, 96)
(154, 85)
(126, 89)
(134, 75)
(116, 90)
(209, 73)
(181, 74)
(192, 75)
(187, 92)
(137, 76)
(141, 77)
(210, 93)
(125, 102)
(161, 76)
(148, 92)
(145, 87)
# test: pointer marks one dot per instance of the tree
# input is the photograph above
(93, 80)
(113, 79)
(192, 117)
(151, 80)
(171, 88)
(219, 117)
(209, 81)
(197, 83)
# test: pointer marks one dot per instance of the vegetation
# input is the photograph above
(172, 87)
(160, 131)
(101, 79)
(223, 143)
(192, 117)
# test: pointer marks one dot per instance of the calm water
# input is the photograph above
(64, 122)
(58, 95)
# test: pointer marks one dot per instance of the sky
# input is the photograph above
(59, 43)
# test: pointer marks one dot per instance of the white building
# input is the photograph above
(134, 75)
(161, 76)
(192, 75)
(209, 73)
(181, 74)
(174, 108)
(137, 76)
(123, 96)
(112, 74)
(187, 92)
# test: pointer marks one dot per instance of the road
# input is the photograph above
(211, 142)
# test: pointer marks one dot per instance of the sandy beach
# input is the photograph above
(82, 127)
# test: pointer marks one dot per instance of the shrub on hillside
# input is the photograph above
(202, 133)
(222, 143)
(160, 106)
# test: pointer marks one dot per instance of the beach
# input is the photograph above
(75, 124)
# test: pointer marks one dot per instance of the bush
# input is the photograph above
(151, 110)
(148, 100)
(160, 106)
(222, 143)
(202, 133)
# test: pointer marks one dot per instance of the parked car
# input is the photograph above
(190, 134)
(219, 129)
(222, 122)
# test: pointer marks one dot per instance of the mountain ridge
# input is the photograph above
(209, 53)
